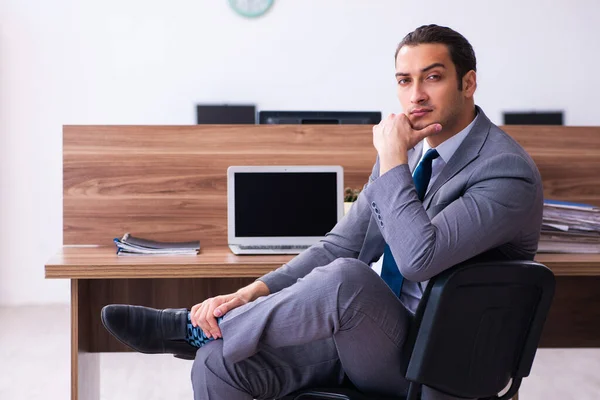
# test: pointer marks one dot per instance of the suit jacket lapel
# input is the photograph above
(465, 154)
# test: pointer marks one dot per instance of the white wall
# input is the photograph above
(150, 62)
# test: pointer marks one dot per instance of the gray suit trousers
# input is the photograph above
(339, 319)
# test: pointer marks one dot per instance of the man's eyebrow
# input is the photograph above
(422, 70)
(433, 66)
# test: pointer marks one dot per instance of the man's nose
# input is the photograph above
(418, 95)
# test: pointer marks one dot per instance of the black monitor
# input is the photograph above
(533, 118)
(225, 114)
(319, 117)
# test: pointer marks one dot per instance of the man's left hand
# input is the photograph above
(394, 136)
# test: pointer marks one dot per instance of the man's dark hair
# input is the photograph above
(460, 49)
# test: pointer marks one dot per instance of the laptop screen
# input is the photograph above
(285, 204)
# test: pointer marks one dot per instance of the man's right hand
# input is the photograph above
(205, 314)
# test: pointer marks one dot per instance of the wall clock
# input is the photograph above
(251, 8)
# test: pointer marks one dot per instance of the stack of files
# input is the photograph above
(130, 245)
(570, 228)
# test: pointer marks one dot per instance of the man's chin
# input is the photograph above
(422, 123)
(419, 125)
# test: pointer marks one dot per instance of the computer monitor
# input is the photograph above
(319, 117)
(225, 114)
(533, 118)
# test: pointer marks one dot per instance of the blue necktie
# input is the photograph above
(389, 270)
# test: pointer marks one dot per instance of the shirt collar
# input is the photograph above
(447, 148)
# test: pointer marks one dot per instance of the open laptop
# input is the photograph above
(282, 209)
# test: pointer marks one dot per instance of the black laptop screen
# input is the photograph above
(285, 204)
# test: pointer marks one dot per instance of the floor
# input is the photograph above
(34, 365)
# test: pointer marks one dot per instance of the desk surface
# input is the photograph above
(220, 262)
(103, 263)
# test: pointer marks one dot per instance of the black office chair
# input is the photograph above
(476, 328)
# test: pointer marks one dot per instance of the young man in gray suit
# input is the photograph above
(447, 186)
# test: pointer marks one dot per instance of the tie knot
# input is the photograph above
(431, 154)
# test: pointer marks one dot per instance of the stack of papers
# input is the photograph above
(570, 228)
(130, 245)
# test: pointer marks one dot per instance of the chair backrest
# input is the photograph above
(478, 327)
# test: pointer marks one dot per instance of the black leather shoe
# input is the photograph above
(148, 330)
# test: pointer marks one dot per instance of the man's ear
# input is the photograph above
(469, 82)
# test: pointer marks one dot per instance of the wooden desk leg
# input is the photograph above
(85, 366)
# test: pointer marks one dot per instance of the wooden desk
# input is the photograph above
(98, 277)
(169, 183)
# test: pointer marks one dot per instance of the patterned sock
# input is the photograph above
(195, 336)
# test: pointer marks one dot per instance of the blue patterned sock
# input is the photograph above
(195, 336)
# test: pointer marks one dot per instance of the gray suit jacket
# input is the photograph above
(485, 204)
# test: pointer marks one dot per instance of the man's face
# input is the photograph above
(428, 86)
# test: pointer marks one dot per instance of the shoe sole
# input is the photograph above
(102, 318)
